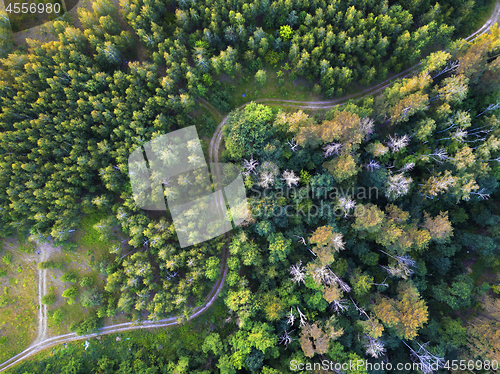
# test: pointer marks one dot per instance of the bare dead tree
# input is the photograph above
(301, 239)
(346, 204)
(384, 284)
(490, 107)
(366, 125)
(266, 179)
(374, 347)
(372, 165)
(360, 310)
(481, 194)
(250, 166)
(438, 155)
(331, 149)
(450, 66)
(398, 185)
(427, 360)
(303, 318)
(398, 142)
(339, 306)
(293, 145)
(332, 277)
(297, 271)
(285, 338)
(290, 178)
(407, 167)
(290, 318)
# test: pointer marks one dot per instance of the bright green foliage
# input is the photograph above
(452, 332)
(7, 259)
(337, 354)
(286, 32)
(213, 344)
(48, 299)
(247, 130)
(57, 316)
(260, 78)
(71, 294)
(70, 276)
(213, 268)
(361, 283)
(279, 247)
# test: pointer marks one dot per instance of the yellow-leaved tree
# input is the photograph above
(405, 315)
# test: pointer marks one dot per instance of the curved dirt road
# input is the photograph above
(41, 342)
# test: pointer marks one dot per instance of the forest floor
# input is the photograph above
(18, 297)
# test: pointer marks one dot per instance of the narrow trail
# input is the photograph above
(42, 291)
(328, 104)
(43, 342)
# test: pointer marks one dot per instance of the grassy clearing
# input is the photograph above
(164, 343)
(286, 87)
(67, 314)
(205, 122)
(226, 93)
(18, 299)
(86, 256)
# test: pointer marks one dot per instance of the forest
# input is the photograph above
(373, 229)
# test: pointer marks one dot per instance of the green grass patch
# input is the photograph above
(227, 94)
(205, 122)
(18, 305)
(155, 346)
(91, 236)
(23, 244)
(82, 268)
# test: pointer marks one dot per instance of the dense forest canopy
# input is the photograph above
(361, 219)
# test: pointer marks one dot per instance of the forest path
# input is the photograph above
(42, 290)
(328, 104)
(41, 342)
